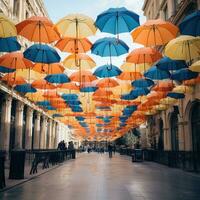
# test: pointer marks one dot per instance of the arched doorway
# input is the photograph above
(195, 126)
(174, 131)
(161, 136)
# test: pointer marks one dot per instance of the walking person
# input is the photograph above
(114, 149)
(110, 149)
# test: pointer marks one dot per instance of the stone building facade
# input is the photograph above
(176, 129)
(22, 123)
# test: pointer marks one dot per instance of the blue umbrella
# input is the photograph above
(6, 70)
(9, 44)
(157, 74)
(141, 83)
(57, 115)
(49, 108)
(169, 64)
(42, 53)
(176, 95)
(70, 97)
(88, 89)
(43, 103)
(80, 118)
(191, 24)
(107, 71)
(57, 78)
(184, 74)
(139, 92)
(74, 102)
(117, 20)
(128, 96)
(25, 88)
(107, 47)
(77, 109)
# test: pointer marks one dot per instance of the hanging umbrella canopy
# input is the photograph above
(184, 74)
(7, 27)
(51, 94)
(24, 88)
(130, 76)
(102, 92)
(43, 103)
(160, 107)
(12, 79)
(143, 55)
(29, 74)
(176, 95)
(123, 88)
(84, 76)
(9, 44)
(6, 70)
(74, 45)
(42, 53)
(156, 96)
(169, 64)
(117, 20)
(193, 81)
(107, 47)
(53, 68)
(38, 29)
(107, 82)
(183, 89)
(163, 86)
(155, 32)
(69, 86)
(42, 84)
(107, 71)
(130, 67)
(15, 61)
(190, 24)
(57, 78)
(88, 89)
(157, 74)
(79, 60)
(183, 47)
(76, 25)
(139, 92)
(195, 67)
(168, 101)
(142, 83)
(37, 96)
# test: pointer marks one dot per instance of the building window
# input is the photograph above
(16, 8)
(165, 11)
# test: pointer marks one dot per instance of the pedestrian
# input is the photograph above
(114, 149)
(110, 149)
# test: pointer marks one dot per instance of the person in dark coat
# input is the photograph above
(110, 149)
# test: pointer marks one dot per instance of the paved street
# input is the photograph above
(96, 177)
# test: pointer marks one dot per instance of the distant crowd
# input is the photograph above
(63, 146)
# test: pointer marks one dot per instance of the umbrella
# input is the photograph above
(42, 53)
(195, 67)
(163, 86)
(156, 74)
(37, 96)
(184, 74)
(176, 95)
(183, 48)
(15, 61)
(7, 27)
(139, 92)
(9, 44)
(74, 45)
(183, 89)
(117, 20)
(88, 89)
(190, 24)
(76, 25)
(6, 70)
(168, 101)
(29, 74)
(142, 83)
(12, 79)
(107, 82)
(57, 78)
(38, 29)
(130, 67)
(53, 68)
(155, 32)
(69, 86)
(107, 71)
(51, 94)
(169, 64)
(193, 81)
(102, 92)
(86, 76)
(130, 76)
(42, 84)
(24, 88)
(70, 97)
(43, 103)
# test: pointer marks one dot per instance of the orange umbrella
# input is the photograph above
(51, 94)
(102, 92)
(143, 55)
(107, 82)
(12, 79)
(155, 32)
(156, 96)
(38, 29)
(193, 81)
(83, 76)
(42, 84)
(69, 86)
(163, 86)
(15, 61)
(130, 76)
(74, 45)
(54, 68)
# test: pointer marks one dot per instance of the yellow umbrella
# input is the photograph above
(183, 89)
(37, 96)
(183, 48)
(160, 107)
(168, 101)
(124, 88)
(76, 25)
(131, 67)
(150, 112)
(195, 67)
(7, 28)
(29, 74)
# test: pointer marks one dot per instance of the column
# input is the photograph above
(53, 134)
(36, 131)
(198, 4)
(50, 133)
(171, 7)
(43, 133)
(5, 123)
(56, 134)
(19, 124)
(29, 123)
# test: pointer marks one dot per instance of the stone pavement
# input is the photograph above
(96, 177)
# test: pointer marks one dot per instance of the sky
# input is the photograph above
(58, 9)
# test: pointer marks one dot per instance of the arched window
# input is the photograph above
(174, 131)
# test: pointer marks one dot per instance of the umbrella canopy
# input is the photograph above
(129, 76)
(144, 55)
(169, 64)
(12, 79)
(193, 81)
(37, 96)
(6, 70)
(54, 68)
(117, 20)
(142, 83)
(183, 74)
(84, 76)
(42, 53)
(195, 67)
(15, 61)
(24, 88)
(190, 24)
(176, 95)
(107, 82)
(38, 29)
(107, 71)
(7, 27)
(183, 48)
(76, 25)
(42, 84)
(74, 45)
(69, 86)
(107, 47)
(130, 67)
(139, 92)
(155, 32)
(29, 74)
(168, 101)
(57, 78)
(157, 74)
(183, 89)
(88, 89)
(9, 44)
